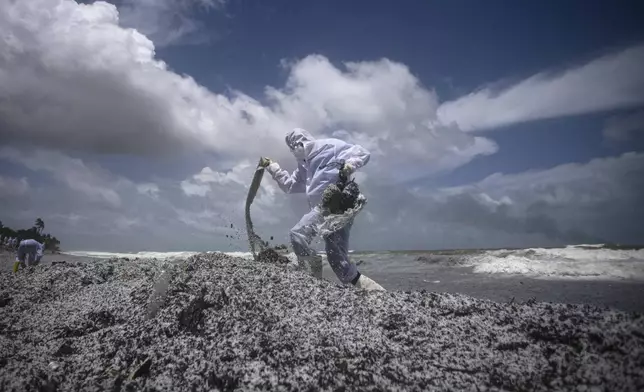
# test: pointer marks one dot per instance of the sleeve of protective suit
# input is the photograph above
(357, 156)
(289, 182)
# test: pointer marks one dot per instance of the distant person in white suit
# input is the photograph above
(29, 253)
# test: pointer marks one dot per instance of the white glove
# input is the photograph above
(265, 162)
(347, 170)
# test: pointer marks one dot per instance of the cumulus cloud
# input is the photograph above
(72, 77)
(597, 201)
(613, 81)
(89, 207)
(227, 190)
(622, 128)
(381, 106)
(168, 22)
(594, 201)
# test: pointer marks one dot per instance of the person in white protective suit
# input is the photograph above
(318, 166)
(29, 252)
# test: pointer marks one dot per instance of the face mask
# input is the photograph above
(299, 152)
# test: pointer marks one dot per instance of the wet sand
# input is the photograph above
(228, 323)
(622, 295)
(7, 258)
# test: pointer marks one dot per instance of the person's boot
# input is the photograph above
(366, 283)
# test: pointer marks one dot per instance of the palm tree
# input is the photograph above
(40, 225)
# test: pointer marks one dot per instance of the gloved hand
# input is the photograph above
(264, 162)
(347, 170)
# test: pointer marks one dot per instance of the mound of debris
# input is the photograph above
(226, 323)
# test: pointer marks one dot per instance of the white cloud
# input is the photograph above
(380, 105)
(88, 207)
(207, 175)
(609, 82)
(594, 201)
(149, 189)
(621, 128)
(227, 191)
(74, 79)
(168, 22)
(192, 189)
(72, 172)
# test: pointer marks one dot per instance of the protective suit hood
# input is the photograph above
(300, 142)
(298, 135)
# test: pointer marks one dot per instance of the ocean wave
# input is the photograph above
(572, 262)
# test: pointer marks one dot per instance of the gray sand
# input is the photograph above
(622, 295)
(228, 323)
(7, 258)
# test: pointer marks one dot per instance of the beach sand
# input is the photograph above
(228, 323)
(7, 258)
(624, 295)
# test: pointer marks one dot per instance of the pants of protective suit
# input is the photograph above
(28, 251)
(336, 244)
(28, 258)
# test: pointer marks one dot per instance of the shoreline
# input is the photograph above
(230, 323)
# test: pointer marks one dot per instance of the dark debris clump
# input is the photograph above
(269, 255)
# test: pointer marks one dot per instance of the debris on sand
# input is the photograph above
(269, 255)
(226, 323)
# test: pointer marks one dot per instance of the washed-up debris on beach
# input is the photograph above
(226, 323)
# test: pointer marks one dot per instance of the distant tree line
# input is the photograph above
(35, 232)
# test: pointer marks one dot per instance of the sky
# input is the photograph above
(135, 125)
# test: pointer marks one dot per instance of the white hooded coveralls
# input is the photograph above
(30, 251)
(317, 168)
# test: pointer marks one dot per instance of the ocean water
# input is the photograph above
(574, 262)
